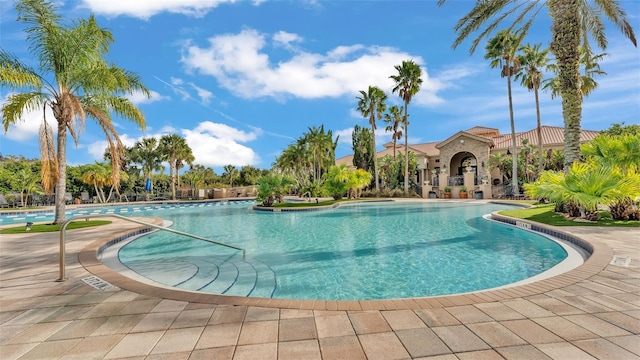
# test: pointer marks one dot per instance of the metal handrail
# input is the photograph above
(64, 227)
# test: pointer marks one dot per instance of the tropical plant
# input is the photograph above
(591, 69)
(340, 180)
(230, 172)
(501, 161)
(407, 83)
(532, 61)
(73, 79)
(146, 154)
(174, 149)
(372, 105)
(394, 119)
(25, 181)
(501, 50)
(361, 140)
(621, 151)
(572, 23)
(272, 187)
(100, 175)
(463, 190)
(586, 186)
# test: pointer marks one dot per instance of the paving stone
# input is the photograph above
(629, 343)
(139, 344)
(468, 314)
(531, 332)
(603, 349)
(297, 329)
(221, 335)
(564, 350)
(436, 317)
(480, 355)
(621, 320)
(498, 311)
(341, 347)
(118, 325)
(460, 339)
(527, 308)
(50, 349)
(495, 334)
(564, 328)
(422, 342)
(78, 329)
(156, 321)
(596, 325)
(178, 340)
(228, 314)
(383, 346)
(526, 352)
(192, 318)
(258, 332)
(334, 325)
(256, 351)
(368, 322)
(220, 353)
(93, 347)
(262, 314)
(36, 332)
(296, 350)
(403, 319)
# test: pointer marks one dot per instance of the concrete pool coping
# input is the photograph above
(599, 258)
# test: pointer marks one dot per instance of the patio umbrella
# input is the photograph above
(147, 185)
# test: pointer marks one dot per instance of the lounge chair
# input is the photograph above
(68, 198)
(85, 198)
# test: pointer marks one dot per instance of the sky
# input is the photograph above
(242, 80)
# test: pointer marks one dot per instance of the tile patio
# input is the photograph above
(592, 312)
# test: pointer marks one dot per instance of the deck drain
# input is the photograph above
(98, 283)
(621, 261)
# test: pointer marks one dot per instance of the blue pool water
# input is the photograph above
(360, 251)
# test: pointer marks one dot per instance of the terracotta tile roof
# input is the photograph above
(428, 149)
(551, 135)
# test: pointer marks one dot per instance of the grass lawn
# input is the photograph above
(37, 228)
(544, 214)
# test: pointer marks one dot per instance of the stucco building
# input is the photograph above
(461, 159)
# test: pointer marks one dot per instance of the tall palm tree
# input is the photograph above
(372, 105)
(146, 154)
(572, 23)
(394, 119)
(407, 84)
(230, 172)
(501, 50)
(174, 149)
(532, 61)
(74, 79)
(590, 69)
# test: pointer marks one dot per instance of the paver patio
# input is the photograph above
(591, 313)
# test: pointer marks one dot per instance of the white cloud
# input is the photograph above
(139, 98)
(240, 63)
(215, 144)
(284, 39)
(212, 144)
(204, 94)
(145, 9)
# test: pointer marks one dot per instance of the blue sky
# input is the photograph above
(242, 80)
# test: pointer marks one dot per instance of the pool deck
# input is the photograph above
(592, 312)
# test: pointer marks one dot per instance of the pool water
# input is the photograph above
(354, 252)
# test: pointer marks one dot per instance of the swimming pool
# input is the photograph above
(357, 251)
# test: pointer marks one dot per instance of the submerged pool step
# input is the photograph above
(218, 275)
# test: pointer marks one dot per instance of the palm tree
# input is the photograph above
(74, 80)
(587, 78)
(147, 155)
(100, 175)
(501, 50)
(532, 60)
(175, 150)
(394, 119)
(371, 105)
(572, 23)
(230, 172)
(407, 84)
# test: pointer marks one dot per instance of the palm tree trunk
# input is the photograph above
(565, 47)
(172, 170)
(373, 152)
(61, 183)
(539, 131)
(406, 149)
(514, 151)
